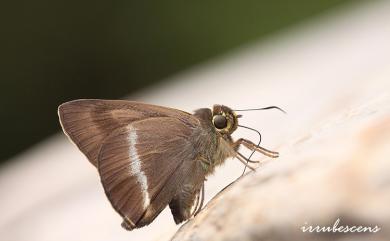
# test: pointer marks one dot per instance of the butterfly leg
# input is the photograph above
(244, 161)
(253, 147)
(199, 205)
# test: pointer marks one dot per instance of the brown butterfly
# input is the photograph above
(150, 156)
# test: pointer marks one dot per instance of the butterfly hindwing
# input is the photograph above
(189, 199)
(145, 164)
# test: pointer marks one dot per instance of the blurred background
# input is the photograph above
(55, 51)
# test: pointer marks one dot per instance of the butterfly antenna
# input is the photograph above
(264, 108)
(253, 152)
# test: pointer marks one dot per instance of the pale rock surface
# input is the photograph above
(338, 170)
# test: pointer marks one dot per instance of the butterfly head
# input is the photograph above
(225, 120)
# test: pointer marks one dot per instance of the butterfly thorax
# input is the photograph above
(213, 148)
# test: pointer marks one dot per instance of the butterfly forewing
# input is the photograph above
(88, 122)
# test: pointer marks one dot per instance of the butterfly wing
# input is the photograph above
(145, 164)
(88, 122)
(189, 200)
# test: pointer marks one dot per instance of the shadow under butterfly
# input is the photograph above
(150, 156)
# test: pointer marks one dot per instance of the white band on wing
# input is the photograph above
(135, 166)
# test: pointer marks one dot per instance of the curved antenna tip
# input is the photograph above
(264, 108)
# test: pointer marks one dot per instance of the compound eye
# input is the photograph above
(220, 121)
